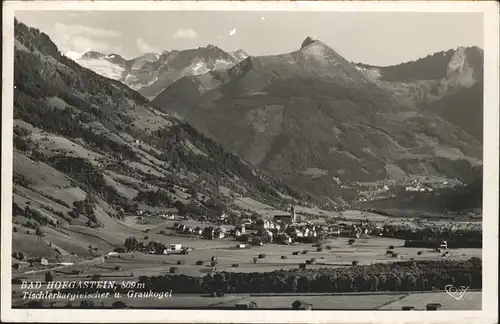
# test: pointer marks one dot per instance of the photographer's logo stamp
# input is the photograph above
(457, 293)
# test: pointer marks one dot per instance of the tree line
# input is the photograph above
(399, 276)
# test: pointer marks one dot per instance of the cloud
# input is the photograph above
(185, 33)
(73, 55)
(232, 32)
(145, 47)
(73, 30)
(79, 44)
(78, 38)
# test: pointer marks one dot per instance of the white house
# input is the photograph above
(176, 247)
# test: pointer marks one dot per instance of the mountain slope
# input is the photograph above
(317, 121)
(151, 73)
(430, 78)
(463, 108)
(90, 152)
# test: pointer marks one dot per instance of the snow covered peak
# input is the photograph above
(103, 66)
(92, 55)
(76, 55)
(149, 57)
(73, 55)
(239, 55)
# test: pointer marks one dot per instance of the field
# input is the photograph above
(372, 301)
(470, 301)
(365, 251)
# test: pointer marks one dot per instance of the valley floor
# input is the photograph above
(472, 300)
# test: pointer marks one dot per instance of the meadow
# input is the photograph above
(346, 301)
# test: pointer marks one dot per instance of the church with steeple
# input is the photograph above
(287, 218)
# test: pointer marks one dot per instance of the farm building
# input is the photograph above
(167, 216)
(408, 308)
(301, 305)
(39, 260)
(433, 306)
(17, 266)
(222, 217)
(246, 305)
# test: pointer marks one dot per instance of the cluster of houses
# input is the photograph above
(307, 232)
(282, 229)
(41, 261)
(160, 248)
(286, 229)
(209, 232)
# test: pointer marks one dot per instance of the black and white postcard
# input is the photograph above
(246, 161)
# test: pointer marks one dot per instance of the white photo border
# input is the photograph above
(489, 312)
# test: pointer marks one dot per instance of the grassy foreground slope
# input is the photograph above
(88, 151)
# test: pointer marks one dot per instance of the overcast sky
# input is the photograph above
(372, 38)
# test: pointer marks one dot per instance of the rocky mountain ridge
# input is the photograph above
(312, 118)
(430, 78)
(88, 151)
(151, 73)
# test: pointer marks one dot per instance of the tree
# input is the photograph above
(131, 243)
(119, 304)
(394, 283)
(38, 232)
(87, 304)
(207, 282)
(303, 285)
(374, 283)
(49, 276)
(292, 284)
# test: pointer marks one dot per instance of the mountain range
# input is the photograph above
(248, 135)
(317, 121)
(151, 73)
(88, 151)
(307, 125)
